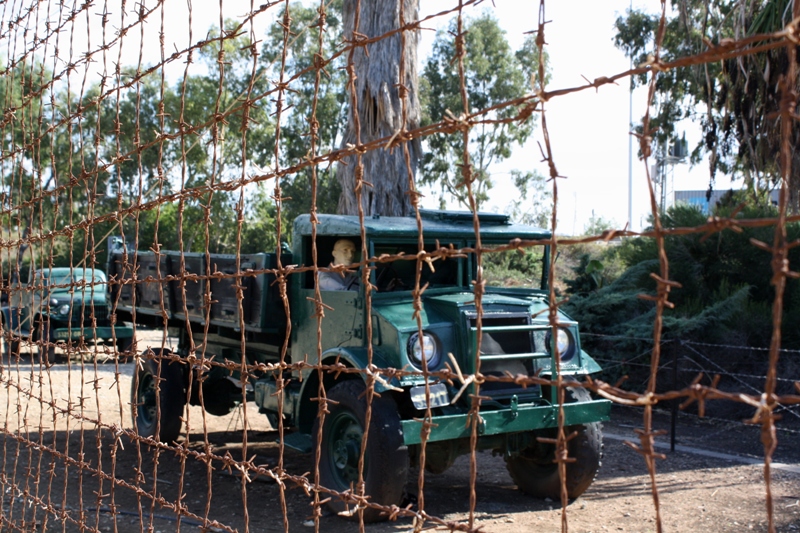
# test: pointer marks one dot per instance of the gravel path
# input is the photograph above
(713, 481)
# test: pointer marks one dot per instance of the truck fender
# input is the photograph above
(350, 357)
(5, 319)
(588, 366)
(10, 319)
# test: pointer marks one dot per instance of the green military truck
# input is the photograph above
(61, 307)
(172, 289)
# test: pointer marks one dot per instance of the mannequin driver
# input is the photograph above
(344, 252)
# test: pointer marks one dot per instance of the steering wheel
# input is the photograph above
(394, 281)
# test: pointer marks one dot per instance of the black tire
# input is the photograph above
(534, 471)
(386, 459)
(10, 348)
(171, 399)
(13, 348)
(43, 339)
(219, 396)
(6, 354)
(125, 349)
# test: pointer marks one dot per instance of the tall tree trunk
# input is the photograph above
(380, 108)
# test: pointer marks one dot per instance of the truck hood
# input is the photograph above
(98, 298)
(451, 306)
(464, 302)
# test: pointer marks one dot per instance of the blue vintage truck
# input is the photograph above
(396, 345)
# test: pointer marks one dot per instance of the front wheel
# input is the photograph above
(8, 347)
(534, 471)
(385, 459)
(125, 349)
(43, 338)
(157, 399)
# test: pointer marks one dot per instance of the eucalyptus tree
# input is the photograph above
(493, 76)
(324, 95)
(384, 101)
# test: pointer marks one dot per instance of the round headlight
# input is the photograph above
(53, 302)
(564, 342)
(63, 310)
(427, 347)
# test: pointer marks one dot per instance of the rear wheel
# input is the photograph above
(534, 471)
(9, 348)
(6, 353)
(13, 348)
(385, 459)
(157, 399)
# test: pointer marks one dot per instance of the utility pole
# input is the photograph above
(630, 145)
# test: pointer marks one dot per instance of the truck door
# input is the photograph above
(343, 322)
(342, 325)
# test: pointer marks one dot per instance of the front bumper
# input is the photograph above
(89, 333)
(501, 421)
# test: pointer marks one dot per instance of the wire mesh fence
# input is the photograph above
(167, 260)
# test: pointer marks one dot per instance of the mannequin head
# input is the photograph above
(344, 251)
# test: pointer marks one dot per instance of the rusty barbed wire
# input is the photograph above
(37, 457)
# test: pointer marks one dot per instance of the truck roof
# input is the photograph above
(65, 272)
(435, 224)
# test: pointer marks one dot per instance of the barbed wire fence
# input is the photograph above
(729, 367)
(82, 161)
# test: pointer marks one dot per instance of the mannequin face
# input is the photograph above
(344, 251)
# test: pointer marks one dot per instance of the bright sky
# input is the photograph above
(588, 131)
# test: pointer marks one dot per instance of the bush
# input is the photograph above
(725, 295)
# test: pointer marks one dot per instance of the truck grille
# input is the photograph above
(509, 345)
(508, 341)
(82, 314)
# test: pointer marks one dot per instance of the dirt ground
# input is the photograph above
(697, 491)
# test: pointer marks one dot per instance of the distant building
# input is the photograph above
(698, 198)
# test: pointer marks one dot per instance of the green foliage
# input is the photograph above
(597, 225)
(593, 265)
(211, 154)
(25, 162)
(725, 295)
(680, 93)
(513, 268)
(733, 100)
(139, 122)
(590, 275)
(330, 98)
(534, 204)
(494, 75)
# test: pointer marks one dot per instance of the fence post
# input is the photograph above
(675, 401)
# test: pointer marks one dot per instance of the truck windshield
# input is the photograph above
(397, 273)
(513, 268)
(88, 277)
(81, 277)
